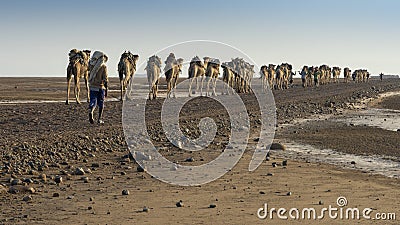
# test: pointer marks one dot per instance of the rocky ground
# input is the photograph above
(55, 166)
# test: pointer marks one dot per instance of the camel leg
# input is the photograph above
(190, 85)
(197, 85)
(68, 89)
(87, 88)
(201, 85)
(214, 86)
(174, 86)
(76, 89)
(208, 79)
(122, 89)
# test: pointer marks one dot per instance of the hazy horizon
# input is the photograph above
(37, 35)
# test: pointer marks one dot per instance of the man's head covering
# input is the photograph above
(97, 60)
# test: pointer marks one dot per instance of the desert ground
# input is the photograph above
(44, 140)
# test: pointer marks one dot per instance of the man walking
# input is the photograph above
(98, 81)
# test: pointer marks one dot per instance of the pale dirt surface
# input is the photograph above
(54, 139)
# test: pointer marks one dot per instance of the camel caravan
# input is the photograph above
(237, 74)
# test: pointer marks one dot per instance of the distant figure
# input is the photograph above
(381, 76)
(317, 74)
(98, 84)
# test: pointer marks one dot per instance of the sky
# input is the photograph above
(36, 36)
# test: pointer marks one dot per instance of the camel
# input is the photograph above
(279, 77)
(172, 69)
(335, 74)
(228, 76)
(346, 74)
(127, 67)
(197, 69)
(153, 69)
(78, 66)
(264, 77)
(249, 73)
(271, 75)
(211, 74)
(310, 76)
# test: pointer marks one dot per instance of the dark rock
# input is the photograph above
(79, 171)
(212, 206)
(284, 163)
(58, 179)
(56, 195)
(15, 182)
(139, 168)
(262, 192)
(353, 162)
(190, 159)
(179, 204)
(125, 192)
(27, 198)
(85, 179)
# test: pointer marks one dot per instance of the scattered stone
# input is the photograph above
(90, 208)
(262, 192)
(289, 193)
(91, 199)
(28, 180)
(30, 190)
(270, 174)
(43, 177)
(179, 204)
(85, 179)
(125, 192)
(123, 173)
(58, 179)
(212, 206)
(139, 168)
(79, 171)
(70, 197)
(274, 164)
(27, 198)
(15, 182)
(145, 209)
(284, 163)
(353, 162)
(33, 172)
(56, 195)
(190, 159)
(95, 165)
(277, 146)
(13, 190)
(320, 202)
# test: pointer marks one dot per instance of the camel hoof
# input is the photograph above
(67, 102)
(78, 102)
